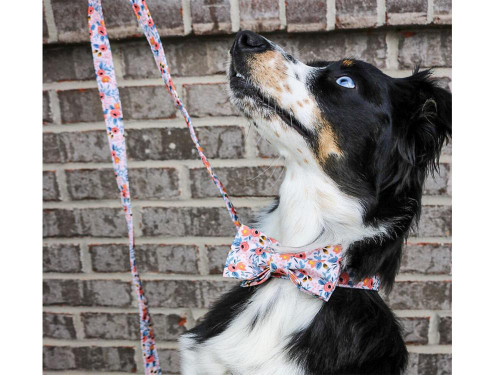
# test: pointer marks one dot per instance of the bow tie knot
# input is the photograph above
(253, 259)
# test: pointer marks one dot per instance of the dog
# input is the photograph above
(358, 146)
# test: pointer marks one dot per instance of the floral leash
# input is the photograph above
(113, 117)
(252, 257)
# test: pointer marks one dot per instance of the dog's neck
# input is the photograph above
(312, 210)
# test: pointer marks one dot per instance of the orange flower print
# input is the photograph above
(244, 246)
(115, 130)
(101, 72)
(368, 282)
(115, 113)
(101, 30)
(344, 278)
(150, 22)
(255, 233)
(312, 263)
(337, 249)
(259, 251)
(300, 255)
(245, 231)
(232, 268)
(285, 256)
(137, 8)
(101, 95)
(241, 266)
(328, 287)
(103, 48)
(105, 79)
(91, 11)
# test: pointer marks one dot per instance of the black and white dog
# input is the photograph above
(358, 145)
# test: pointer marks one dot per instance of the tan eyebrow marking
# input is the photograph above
(347, 62)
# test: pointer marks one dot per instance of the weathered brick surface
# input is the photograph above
(209, 100)
(150, 183)
(211, 16)
(305, 15)
(99, 222)
(150, 258)
(217, 255)
(440, 183)
(110, 326)
(435, 222)
(224, 142)
(80, 106)
(429, 364)
(47, 111)
(58, 326)
(442, 12)
(266, 150)
(248, 181)
(170, 358)
(445, 330)
(159, 104)
(415, 330)
(186, 293)
(87, 293)
(426, 258)
(61, 258)
(406, 12)
(65, 358)
(355, 13)
(50, 187)
(427, 48)
(61, 63)
(189, 221)
(260, 15)
(420, 295)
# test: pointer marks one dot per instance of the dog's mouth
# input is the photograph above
(254, 103)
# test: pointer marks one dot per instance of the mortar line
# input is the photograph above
(392, 42)
(125, 276)
(62, 184)
(92, 84)
(78, 324)
(162, 240)
(184, 183)
(203, 268)
(381, 12)
(85, 257)
(186, 17)
(331, 15)
(430, 11)
(139, 361)
(234, 11)
(50, 21)
(429, 349)
(104, 343)
(210, 202)
(282, 14)
(111, 310)
(55, 107)
(433, 333)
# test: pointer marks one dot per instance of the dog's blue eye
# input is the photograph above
(346, 81)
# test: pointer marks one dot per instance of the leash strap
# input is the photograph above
(113, 117)
(148, 27)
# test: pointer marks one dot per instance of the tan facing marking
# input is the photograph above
(268, 70)
(347, 62)
(276, 134)
(299, 103)
(306, 101)
(287, 88)
(327, 143)
(299, 150)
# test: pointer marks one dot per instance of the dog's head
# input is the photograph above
(375, 136)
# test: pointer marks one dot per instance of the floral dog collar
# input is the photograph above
(254, 260)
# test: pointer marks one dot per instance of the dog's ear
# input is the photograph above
(421, 119)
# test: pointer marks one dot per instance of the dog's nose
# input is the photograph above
(247, 41)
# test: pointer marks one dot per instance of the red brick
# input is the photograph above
(427, 258)
(209, 100)
(420, 295)
(445, 331)
(429, 48)
(58, 326)
(305, 15)
(429, 364)
(50, 187)
(261, 181)
(406, 12)
(260, 15)
(61, 258)
(355, 14)
(415, 330)
(211, 16)
(442, 12)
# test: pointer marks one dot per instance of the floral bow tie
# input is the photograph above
(317, 272)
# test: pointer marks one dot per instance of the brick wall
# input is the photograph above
(183, 231)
